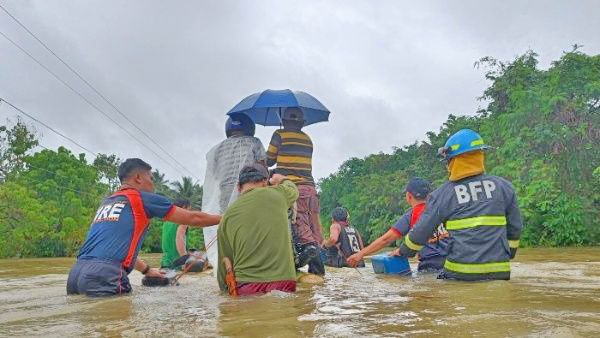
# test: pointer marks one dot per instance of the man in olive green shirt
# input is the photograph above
(254, 233)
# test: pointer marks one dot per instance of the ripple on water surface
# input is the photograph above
(548, 296)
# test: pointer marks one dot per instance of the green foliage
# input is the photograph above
(15, 142)
(108, 166)
(161, 185)
(152, 241)
(188, 190)
(48, 198)
(544, 126)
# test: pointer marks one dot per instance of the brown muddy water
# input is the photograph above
(553, 293)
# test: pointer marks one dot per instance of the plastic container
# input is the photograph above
(392, 265)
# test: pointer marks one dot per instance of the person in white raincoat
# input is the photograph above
(224, 163)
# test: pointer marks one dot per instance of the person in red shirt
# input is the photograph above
(434, 254)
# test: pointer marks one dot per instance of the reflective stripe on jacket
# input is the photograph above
(484, 222)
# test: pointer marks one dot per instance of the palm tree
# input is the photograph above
(189, 190)
(161, 185)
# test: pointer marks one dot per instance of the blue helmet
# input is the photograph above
(239, 122)
(461, 142)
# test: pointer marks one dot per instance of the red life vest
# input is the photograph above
(417, 210)
(439, 233)
(140, 222)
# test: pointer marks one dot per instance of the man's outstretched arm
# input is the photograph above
(422, 231)
(192, 218)
(377, 244)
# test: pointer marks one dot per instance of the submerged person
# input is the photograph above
(173, 242)
(291, 150)
(254, 235)
(224, 163)
(480, 212)
(110, 251)
(434, 252)
(344, 241)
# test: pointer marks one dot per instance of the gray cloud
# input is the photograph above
(388, 71)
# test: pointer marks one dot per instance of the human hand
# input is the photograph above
(154, 272)
(354, 259)
(277, 178)
(395, 252)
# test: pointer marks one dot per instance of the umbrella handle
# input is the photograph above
(280, 119)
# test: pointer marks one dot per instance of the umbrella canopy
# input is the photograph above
(265, 108)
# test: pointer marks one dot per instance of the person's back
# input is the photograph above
(291, 149)
(480, 212)
(255, 235)
(349, 242)
(168, 244)
(110, 250)
(472, 206)
(228, 158)
(223, 165)
(344, 240)
(256, 227)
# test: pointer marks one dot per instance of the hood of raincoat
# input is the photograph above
(467, 164)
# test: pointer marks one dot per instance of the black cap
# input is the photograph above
(418, 187)
(253, 173)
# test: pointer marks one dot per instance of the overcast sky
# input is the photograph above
(389, 71)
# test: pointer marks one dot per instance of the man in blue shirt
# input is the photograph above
(111, 247)
(432, 257)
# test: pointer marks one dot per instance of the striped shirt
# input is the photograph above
(292, 151)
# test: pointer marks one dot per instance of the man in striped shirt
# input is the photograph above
(291, 149)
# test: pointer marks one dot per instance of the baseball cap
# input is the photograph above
(419, 187)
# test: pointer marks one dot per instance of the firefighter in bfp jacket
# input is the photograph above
(480, 212)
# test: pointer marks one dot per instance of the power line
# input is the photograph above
(47, 126)
(63, 187)
(92, 87)
(48, 171)
(87, 100)
(68, 179)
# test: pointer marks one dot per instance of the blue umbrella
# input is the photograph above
(265, 108)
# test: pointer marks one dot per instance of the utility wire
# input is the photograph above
(47, 126)
(92, 87)
(88, 101)
(48, 171)
(64, 187)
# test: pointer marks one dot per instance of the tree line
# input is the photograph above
(544, 127)
(48, 198)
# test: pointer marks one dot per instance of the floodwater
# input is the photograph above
(553, 292)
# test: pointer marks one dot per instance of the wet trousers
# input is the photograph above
(308, 224)
(97, 278)
(307, 230)
(432, 264)
(247, 289)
